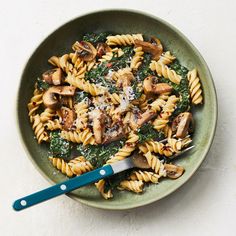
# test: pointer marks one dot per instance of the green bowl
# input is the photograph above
(119, 21)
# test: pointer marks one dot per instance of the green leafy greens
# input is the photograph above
(144, 70)
(147, 132)
(95, 38)
(42, 85)
(59, 147)
(98, 155)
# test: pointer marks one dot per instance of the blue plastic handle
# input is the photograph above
(64, 187)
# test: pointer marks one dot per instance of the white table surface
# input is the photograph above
(206, 205)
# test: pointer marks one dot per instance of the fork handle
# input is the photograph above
(64, 187)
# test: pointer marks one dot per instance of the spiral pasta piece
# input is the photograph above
(76, 60)
(106, 57)
(126, 121)
(195, 87)
(152, 146)
(153, 161)
(34, 103)
(100, 185)
(158, 104)
(163, 70)
(164, 96)
(61, 165)
(84, 85)
(144, 105)
(161, 121)
(135, 186)
(137, 58)
(85, 137)
(91, 64)
(39, 130)
(145, 176)
(117, 74)
(126, 150)
(123, 39)
(166, 58)
(117, 51)
(81, 110)
(80, 73)
(114, 98)
(176, 145)
(53, 124)
(80, 166)
(167, 131)
(62, 62)
(47, 114)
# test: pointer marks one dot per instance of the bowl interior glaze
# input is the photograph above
(119, 21)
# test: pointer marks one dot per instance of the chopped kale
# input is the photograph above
(59, 147)
(123, 61)
(98, 155)
(144, 69)
(101, 70)
(97, 75)
(95, 38)
(80, 96)
(184, 102)
(178, 68)
(42, 85)
(136, 89)
(147, 132)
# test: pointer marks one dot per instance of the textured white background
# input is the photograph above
(206, 205)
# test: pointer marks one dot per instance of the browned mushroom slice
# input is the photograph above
(162, 88)
(173, 171)
(125, 79)
(146, 116)
(50, 98)
(68, 117)
(154, 47)
(102, 49)
(114, 136)
(150, 85)
(159, 48)
(182, 124)
(54, 76)
(98, 125)
(140, 161)
(86, 51)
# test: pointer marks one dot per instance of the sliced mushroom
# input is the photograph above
(154, 47)
(68, 117)
(125, 79)
(146, 116)
(173, 171)
(102, 49)
(159, 48)
(98, 125)
(114, 135)
(54, 76)
(85, 50)
(50, 98)
(150, 85)
(140, 161)
(182, 124)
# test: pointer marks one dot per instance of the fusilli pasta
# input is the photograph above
(195, 87)
(123, 39)
(163, 70)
